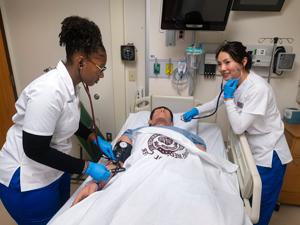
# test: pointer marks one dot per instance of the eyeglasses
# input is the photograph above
(101, 69)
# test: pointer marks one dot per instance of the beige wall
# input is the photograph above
(32, 31)
(32, 28)
(247, 27)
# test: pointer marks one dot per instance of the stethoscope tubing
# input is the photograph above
(217, 105)
(94, 127)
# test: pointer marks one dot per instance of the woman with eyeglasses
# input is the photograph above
(35, 160)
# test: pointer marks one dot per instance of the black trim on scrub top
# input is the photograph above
(38, 149)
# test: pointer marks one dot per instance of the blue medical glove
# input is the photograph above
(105, 147)
(230, 88)
(188, 116)
(97, 171)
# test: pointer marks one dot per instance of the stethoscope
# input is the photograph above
(87, 90)
(118, 168)
(217, 105)
(94, 127)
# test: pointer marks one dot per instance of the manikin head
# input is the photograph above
(162, 116)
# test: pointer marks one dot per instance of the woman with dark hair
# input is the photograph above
(251, 108)
(35, 160)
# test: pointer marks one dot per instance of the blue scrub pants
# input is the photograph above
(272, 179)
(36, 206)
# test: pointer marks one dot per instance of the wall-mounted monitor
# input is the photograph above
(195, 14)
(257, 5)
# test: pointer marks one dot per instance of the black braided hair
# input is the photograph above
(80, 35)
(237, 52)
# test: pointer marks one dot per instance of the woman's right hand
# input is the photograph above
(188, 116)
(230, 87)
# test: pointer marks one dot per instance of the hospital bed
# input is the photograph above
(237, 150)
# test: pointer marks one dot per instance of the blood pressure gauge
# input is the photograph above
(128, 52)
(123, 144)
(122, 151)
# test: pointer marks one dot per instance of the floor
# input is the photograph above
(287, 215)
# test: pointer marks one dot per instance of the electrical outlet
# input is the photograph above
(131, 75)
(181, 34)
(260, 51)
(140, 92)
(109, 136)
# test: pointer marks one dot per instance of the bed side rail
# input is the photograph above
(249, 180)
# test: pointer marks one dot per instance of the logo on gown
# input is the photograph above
(160, 145)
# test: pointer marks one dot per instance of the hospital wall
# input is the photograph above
(32, 28)
(247, 27)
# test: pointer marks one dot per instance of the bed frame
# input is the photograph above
(249, 180)
(238, 151)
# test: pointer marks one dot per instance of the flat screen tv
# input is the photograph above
(195, 14)
(257, 5)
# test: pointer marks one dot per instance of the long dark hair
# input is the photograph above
(237, 52)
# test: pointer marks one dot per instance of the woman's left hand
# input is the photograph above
(105, 147)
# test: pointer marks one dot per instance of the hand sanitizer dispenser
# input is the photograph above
(292, 115)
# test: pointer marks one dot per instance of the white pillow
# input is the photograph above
(141, 118)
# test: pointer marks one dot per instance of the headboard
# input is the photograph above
(175, 103)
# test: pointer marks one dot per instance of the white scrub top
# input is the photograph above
(266, 133)
(48, 106)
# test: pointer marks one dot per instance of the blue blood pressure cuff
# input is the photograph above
(122, 151)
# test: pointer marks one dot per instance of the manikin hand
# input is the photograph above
(92, 186)
(89, 189)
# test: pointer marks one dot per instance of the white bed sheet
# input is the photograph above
(210, 133)
(158, 188)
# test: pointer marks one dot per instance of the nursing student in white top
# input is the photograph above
(35, 161)
(251, 109)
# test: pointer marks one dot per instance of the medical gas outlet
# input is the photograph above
(210, 65)
(162, 68)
